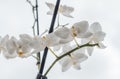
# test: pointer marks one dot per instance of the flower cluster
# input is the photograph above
(61, 37)
(80, 31)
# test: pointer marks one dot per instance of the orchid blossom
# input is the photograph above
(63, 9)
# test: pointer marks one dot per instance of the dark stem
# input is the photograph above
(37, 20)
(50, 30)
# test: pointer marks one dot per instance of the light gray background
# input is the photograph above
(16, 18)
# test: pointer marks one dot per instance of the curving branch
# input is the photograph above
(60, 57)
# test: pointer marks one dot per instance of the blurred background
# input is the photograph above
(16, 18)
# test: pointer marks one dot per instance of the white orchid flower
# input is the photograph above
(38, 44)
(26, 38)
(97, 34)
(80, 30)
(63, 9)
(96, 37)
(12, 48)
(51, 39)
(65, 37)
(74, 59)
(3, 43)
(17, 48)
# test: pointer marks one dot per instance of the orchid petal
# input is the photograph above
(80, 57)
(51, 7)
(101, 45)
(65, 10)
(66, 63)
(66, 48)
(9, 55)
(56, 48)
(85, 35)
(67, 40)
(62, 32)
(77, 66)
(38, 44)
(95, 27)
(90, 50)
(4, 40)
(85, 40)
(99, 36)
(25, 38)
(81, 27)
(52, 39)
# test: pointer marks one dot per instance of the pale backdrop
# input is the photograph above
(16, 18)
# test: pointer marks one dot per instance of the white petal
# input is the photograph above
(51, 7)
(66, 67)
(66, 48)
(77, 66)
(80, 57)
(78, 52)
(85, 35)
(56, 48)
(9, 55)
(12, 45)
(66, 10)
(14, 42)
(67, 15)
(4, 40)
(90, 50)
(38, 43)
(26, 49)
(50, 13)
(99, 36)
(85, 40)
(66, 63)
(95, 27)
(81, 27)
(25, 38)
(101, 45)
(62, 32)
(52, 39)
(12, 48)
(67, 40)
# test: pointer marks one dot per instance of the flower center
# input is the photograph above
(74, 32)
(20, 53)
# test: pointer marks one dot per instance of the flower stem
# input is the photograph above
(60, 57)
(53, 52)
(76, 42)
